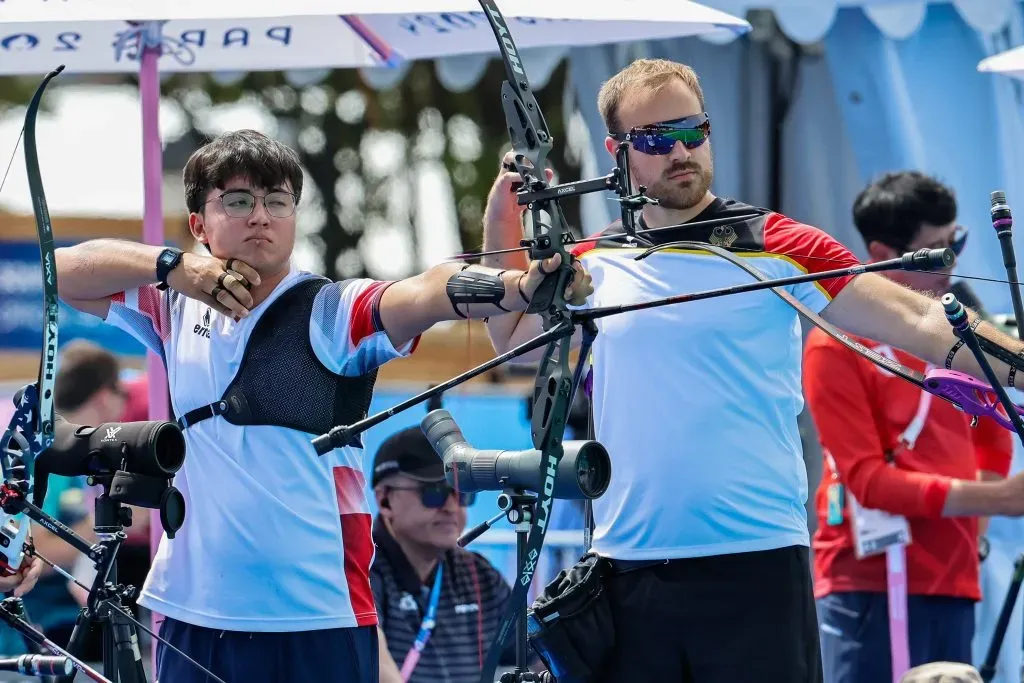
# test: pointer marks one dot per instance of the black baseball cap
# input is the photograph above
(407, 452)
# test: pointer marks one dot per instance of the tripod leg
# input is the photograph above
(84, 625)
(988, 667)
(125, 650)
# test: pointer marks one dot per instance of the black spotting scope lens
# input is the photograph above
(593, 469)
(168, 453)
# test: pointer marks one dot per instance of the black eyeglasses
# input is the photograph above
(435, 495)
(241, 203)
(957, 242)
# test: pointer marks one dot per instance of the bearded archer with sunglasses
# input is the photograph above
(704, 523)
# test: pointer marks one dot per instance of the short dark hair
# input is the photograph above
(892, 209)
(82, 369)
(247, 153)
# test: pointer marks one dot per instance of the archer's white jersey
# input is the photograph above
(276, 538)
(697, 402)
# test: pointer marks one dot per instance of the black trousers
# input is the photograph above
(747, 617)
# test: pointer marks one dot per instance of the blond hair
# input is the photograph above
(649, 74)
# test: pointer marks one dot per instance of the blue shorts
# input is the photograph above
(345, 655)
(854, 631)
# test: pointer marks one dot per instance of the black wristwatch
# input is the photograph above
(167, 261)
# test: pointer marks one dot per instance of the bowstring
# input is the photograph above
(10, 162)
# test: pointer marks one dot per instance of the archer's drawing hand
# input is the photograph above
(23, 581)
(580, 286)
(221, 284)
(501, 201)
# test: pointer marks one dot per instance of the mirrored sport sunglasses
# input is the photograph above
(660, 138)
(435, 494)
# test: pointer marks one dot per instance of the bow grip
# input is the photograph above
(551, 291)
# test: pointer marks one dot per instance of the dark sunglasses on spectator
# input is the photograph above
(435, 494)
(957, 242)
(660, 138)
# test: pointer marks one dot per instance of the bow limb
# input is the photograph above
(30, 431)
(44, 411)
(531, 143)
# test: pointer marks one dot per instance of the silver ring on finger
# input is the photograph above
(220, 279)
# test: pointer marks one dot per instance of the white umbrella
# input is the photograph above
(1009, 63)
(230, 35)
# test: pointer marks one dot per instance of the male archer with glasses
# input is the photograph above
(268, 579)
(439, 606)
(704, 522)
(892, 455)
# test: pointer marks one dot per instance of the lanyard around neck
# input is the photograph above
(412, 658)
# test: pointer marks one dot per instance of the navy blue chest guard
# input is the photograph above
(281, 382)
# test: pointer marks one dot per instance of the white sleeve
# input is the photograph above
(346, 331)
(145, 314)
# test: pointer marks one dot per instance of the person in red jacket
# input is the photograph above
(888, 447)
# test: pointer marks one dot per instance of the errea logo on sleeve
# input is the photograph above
(204, 329)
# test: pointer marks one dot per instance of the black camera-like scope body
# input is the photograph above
(583, 472)
(135, 460)
(154, 448)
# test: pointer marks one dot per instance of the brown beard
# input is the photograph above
(680, 195)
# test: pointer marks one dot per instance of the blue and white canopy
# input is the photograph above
(97, 36)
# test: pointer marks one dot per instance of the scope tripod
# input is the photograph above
(988, 667)
(518, 508)
(122, 656)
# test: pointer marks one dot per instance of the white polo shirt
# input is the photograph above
(276, 537)
(697, 403)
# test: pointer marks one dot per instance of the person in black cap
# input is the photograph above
(438, 606)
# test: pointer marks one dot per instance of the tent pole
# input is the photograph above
(153, 233)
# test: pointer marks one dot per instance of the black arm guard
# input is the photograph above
(473, 287)
(1015, 361)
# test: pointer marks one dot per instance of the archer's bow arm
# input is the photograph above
(450, 291)
(875, 307)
